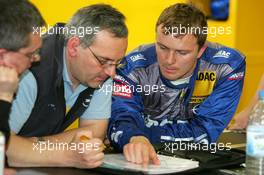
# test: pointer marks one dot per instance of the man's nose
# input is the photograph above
(171, 59)
(110, 71)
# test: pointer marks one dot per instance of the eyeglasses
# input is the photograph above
(106, 63)
(34, 55)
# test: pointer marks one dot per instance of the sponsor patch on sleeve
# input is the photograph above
(222, 53)
(122, 90)
(137, 57)
(237, 76)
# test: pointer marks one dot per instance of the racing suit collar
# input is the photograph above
(181, 81)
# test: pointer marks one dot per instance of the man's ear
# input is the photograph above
(72, 45)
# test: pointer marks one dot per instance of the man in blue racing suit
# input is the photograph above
(181, 88)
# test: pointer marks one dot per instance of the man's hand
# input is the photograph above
(241, 121)
(140, 151)
(8, 171)
(8, 83)
(89, 152)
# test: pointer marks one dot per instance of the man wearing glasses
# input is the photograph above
(18, 50)
(65, 86)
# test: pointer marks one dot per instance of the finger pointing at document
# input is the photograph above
(140, 151)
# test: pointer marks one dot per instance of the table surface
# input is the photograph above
(54, 171)
(74, 171)
(234, 138)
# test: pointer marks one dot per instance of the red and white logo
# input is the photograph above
(237, 76)
(122, 90)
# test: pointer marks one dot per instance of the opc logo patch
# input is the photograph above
(137, 57)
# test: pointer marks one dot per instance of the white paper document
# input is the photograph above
(167, 164)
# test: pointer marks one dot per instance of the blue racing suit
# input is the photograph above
(146, 104)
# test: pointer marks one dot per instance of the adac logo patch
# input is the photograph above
(237, 76)
(206, 76)
(204, 83)
(222, 53)
(122, 90)
(137, 57)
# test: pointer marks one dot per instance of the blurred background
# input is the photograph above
(237, 24)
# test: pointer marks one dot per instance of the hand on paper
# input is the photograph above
(140, 151)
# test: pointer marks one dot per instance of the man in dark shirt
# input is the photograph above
(18, 49)
(19, 45)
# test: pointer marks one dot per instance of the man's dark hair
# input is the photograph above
(184, 16)
(17, 20)
(103, 16)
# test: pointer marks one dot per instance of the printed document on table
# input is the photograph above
(167, 164)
